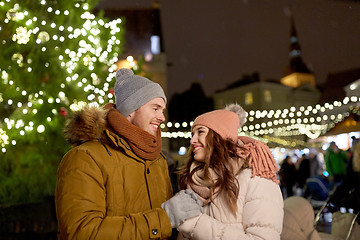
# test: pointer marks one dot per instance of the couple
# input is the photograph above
(114, 184)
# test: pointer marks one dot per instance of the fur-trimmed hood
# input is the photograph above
(86, 125)
(109, 126)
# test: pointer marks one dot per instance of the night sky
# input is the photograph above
(216, 42)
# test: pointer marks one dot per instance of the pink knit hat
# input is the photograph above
(225, 122)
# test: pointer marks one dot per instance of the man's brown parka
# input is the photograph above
(105, 191)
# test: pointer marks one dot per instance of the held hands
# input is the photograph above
(184, 205)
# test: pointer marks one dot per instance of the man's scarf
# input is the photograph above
(144, 144)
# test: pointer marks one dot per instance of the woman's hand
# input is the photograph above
(184, 205)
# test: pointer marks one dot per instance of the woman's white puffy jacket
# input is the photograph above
(259, 214)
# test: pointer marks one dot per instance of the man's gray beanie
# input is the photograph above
(133, 91)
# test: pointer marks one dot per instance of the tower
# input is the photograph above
(296, 72)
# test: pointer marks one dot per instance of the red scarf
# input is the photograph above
(141, 142)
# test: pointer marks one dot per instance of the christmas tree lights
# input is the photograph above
(55, 57)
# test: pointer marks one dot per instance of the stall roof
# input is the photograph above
(349, 124)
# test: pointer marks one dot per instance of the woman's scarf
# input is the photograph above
(200, 185)
(260, 161)
(141, 142)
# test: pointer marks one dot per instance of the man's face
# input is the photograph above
(334, 148)
(149, 116)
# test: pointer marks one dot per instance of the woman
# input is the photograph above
(234, 177)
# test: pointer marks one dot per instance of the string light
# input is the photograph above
(276, 122)
(88, 54)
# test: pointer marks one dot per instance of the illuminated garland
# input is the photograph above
(274, 125)
(309, 120)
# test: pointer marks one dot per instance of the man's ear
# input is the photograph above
(130, 116)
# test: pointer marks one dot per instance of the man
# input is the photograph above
(335, 161)
(112, 183)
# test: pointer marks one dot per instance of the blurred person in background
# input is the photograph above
(316, 168)
(347, 194)
(287, 175)
(303, 171)
(335, 161)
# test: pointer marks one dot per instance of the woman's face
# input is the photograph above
(198, 143)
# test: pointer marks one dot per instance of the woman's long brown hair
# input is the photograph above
(220, 153)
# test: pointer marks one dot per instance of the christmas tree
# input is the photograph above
(56, 55)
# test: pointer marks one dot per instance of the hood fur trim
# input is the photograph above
(85, 125)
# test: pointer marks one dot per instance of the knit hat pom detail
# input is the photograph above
(124, 72)
(238, 110)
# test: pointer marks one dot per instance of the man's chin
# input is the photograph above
(153, 132)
